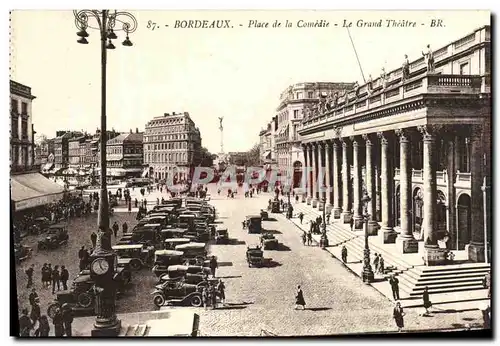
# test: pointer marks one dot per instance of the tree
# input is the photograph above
(206, 158)
(253, 156)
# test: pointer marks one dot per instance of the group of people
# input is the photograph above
(210, 293)
(49, 276)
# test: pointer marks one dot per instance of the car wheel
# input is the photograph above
(196, 301)
(84, 300)
(158, 300)
(51, 310)
(135, 265)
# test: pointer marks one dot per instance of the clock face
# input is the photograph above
(100, 266)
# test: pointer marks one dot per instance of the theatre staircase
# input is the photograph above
(412, 274)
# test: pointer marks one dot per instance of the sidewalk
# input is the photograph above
(339, 233)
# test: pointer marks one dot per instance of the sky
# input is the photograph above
(237, 73)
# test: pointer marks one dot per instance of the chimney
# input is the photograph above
(136, 130)
(130, 130)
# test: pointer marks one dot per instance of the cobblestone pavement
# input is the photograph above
(261, 298)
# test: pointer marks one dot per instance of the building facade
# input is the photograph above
(22, 140)
(124, 155)
(266, 149)
(417, 143)
(74, 151)
(172, 142)
(294, 101)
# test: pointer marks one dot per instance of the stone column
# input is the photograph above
(337, 208)
(356, 181)
(305, 175)
(321, 175)
(405, 242)
(451, 209)
(476, 246)
(310, 175)
(370, 186)
(314, 175)
(328, 177)
(433, 255)
(387, 235)
(346, 174)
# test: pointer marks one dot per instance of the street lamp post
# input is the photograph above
(368, 275)
(103, 260)
(323, 242)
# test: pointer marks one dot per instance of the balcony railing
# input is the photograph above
(395, 91)
(462, 179)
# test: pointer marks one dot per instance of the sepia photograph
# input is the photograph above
(250, 173)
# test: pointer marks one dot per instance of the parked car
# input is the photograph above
(255, 256)
(192, 274)
(135, 256)
(254, 223)
(21, 252)
(171, 243)
(264, 215)
(268, 241)
(40, 225)
(221, 235)
(166, 258)
(178, 293)
(196, 251)
(56, 236)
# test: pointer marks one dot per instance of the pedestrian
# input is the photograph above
(328, 218)
(381, 266)
(213, 265)
(49, 275)
(29, 274)
(93, 239)
(304, 238)
(205, 298)
(301, 217)
(33, 296)
(486, 312)
(221, 288)
(43, 329)
(136, 202)
(299, 299)
(129, 206)
(487, 283)
(55, 279)
(57, 321)
(351, 222)
(398, 315)
(344, 254)
(213, 296)
(25, 324)
(375, 263)
(426, 300)
(309, 238)
(35, 311)
(125, 228)
(44, 275)
(67, 317)
(115, 229)
(394, 282)
(64, 277)
(311, 227)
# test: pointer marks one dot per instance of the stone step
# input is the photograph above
(137, 330)
(453, 267)
(456, 274)
(448, 290)
(438, 281)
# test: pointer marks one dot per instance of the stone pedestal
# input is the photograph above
(358, 223)
(336, 213)
(475, 251)
(387, 235)
(434, 256)
(111, 331)
(309, 200)
(372, 228)
(346, 217)
(314, 203)
(406, 245)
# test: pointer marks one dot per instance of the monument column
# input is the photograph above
(451, 209)
(346, 174)
(321, 175)
(370, 185)
(405, 242)
(356, 181)
(328, 178)
(305, 174)
(476, 246)
(337, 208)
(388, 235)
(310, 175)
(315, 174)
(433, 254)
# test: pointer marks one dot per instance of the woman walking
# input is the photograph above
(398, 315)
(299, 299)
(427, 301)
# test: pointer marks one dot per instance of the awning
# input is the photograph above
(32, 190)
(266, 154)
(145, 172)
(48, 166)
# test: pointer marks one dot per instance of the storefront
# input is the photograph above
(33, 190)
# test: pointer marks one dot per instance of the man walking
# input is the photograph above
(351, 223)
(301, 217)
(394, 282)
(125, 228)
(64, 277)
(67, 317)
(93, 239)
(56, 279)
(309, 238)
(29, 274)
(115, 229)
(33, 296)
(375, 263)
(213, 265)
(344, 254)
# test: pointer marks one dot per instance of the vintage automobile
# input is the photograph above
(135, 256)
(264, 215)
(268, 241)
(166, 258)
(55, 237)
(254, 223)
(178, 293)
(81, 295)
(221, 235)
(163, 208)
(147, 234)
(196, 251)
(192, 274)
(255, 256)
(171, 243)
(40, 225)
(186, 221)
(22, 252)
(168, 233)
(161, 220)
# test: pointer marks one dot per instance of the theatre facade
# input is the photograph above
(410, 153)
